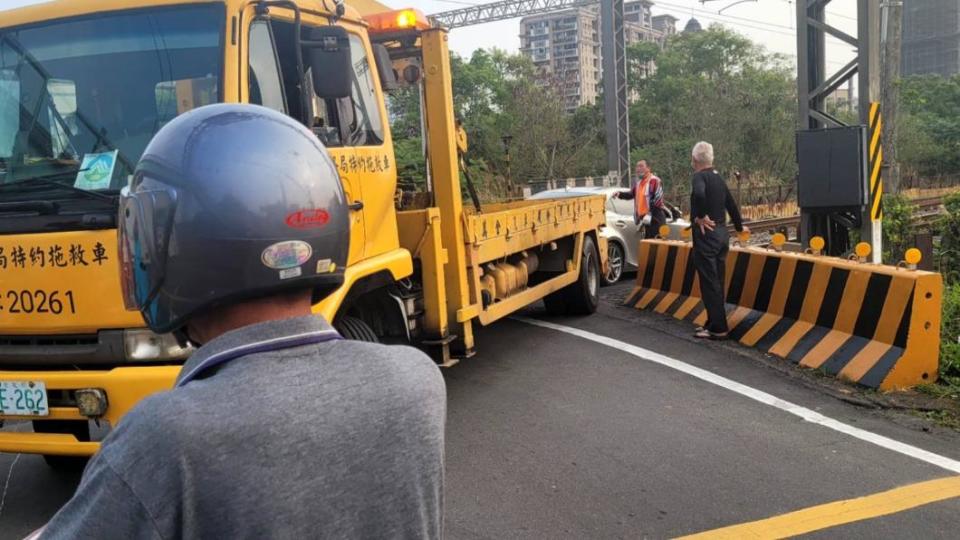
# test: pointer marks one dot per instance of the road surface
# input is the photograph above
(620, 425)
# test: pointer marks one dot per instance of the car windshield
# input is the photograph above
(81, 98)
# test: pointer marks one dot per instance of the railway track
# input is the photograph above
(928, 206)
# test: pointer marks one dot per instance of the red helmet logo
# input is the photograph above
(306, 219)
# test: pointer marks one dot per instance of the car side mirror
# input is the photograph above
(328, 55)
(388, 75)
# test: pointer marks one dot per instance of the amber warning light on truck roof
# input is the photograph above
(403, 19)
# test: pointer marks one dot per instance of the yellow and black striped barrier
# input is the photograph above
(878, 326)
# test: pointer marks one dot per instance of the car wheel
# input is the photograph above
(615, 262)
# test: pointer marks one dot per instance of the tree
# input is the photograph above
(496, 96)
(930, 125)
(714, 85)
(641, 59)
(717, 86)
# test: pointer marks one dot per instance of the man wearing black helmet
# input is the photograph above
(234, 224)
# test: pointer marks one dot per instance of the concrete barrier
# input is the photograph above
(877, 326)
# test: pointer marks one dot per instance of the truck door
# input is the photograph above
(271, 61)
(365, 129)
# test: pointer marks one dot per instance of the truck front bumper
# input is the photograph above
(124, 387)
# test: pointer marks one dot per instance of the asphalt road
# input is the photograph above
(551, 435)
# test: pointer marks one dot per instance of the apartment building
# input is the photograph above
(931, 37)
(565, 46)
(665, 24)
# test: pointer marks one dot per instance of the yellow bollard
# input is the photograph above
(861, 252)
(777, 241)
(816, 246)
(911, 259)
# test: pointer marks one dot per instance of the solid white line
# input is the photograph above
(756, 395)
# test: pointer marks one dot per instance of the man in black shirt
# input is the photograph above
(710, 201)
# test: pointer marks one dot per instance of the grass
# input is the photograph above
(947, 387)
(944, 418)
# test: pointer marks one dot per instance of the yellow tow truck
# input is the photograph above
(84, 85)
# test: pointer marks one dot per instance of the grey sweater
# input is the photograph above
(333, 440)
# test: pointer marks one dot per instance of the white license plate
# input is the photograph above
(23, 398)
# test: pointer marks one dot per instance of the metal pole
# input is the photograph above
(811, 67)
(613, 51)
(868, 33)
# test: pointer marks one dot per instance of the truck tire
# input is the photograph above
(355, 329)
(77, 428)
(582, 296)
(556, 302)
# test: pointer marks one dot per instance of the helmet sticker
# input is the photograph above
(288, 254)
(324, 266)
(308, 219)
(290, 273)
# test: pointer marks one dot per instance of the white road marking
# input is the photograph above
(3, 498)
(756, 395)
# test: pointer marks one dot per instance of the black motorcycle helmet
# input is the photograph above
(230, 202)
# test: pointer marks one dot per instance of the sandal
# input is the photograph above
(706, 334)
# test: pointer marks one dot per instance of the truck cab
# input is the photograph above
(84, 86)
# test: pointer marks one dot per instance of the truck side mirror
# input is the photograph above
(328, 54)
(388, 75)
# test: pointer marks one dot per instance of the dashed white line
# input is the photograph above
(756, 395)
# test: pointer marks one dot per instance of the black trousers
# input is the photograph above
(710, 260)
(657, 218)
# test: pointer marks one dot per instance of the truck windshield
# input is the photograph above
(81, 98)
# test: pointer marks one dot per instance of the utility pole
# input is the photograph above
(860, 207)
(615, 106)
(892, 36)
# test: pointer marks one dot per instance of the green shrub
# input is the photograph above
(949, 229)
(897, 227)
(950, 332)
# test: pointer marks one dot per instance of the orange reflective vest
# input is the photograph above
(640, 196)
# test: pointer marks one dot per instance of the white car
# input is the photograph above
(621, 233)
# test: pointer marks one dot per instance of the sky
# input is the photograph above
(770, 23)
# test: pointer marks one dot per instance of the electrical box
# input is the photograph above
(832, 167)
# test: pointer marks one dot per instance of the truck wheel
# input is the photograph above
(582, 296)
(556, 302)
(77, 428)
(355, 329)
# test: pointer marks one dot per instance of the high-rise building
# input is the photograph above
(665, 24)
(931, 37)
(565, 46)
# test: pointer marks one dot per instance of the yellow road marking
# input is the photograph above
(841, 512)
